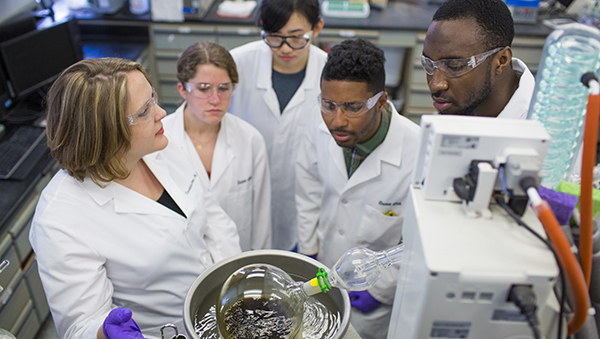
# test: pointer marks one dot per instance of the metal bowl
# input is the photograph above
(204, 291)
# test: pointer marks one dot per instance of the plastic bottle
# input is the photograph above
(357, 270)
(559, 99)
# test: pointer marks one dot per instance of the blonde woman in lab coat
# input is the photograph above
(229, 154)
(124, 228)
(279, 85)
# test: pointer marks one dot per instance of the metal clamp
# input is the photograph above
(176, 336)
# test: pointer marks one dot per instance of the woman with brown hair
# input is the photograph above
(228, 153)
(124, 228)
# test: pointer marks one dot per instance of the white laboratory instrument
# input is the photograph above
(462, 258)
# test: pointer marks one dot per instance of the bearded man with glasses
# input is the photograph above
(469, 64)
(353, 171)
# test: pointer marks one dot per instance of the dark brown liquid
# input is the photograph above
(260, 318)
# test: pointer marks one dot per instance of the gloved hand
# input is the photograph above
(119, 325)
(363, 301)
(314, 256)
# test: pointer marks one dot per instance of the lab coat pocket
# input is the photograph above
(379, 231)
(238, 205)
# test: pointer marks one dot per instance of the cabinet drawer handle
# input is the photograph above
(347, 33)
(6, 296)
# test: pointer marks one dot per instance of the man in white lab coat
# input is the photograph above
(469, 64)
(353, 172)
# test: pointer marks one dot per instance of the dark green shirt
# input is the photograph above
(356, 155)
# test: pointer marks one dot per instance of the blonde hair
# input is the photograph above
(87, 129)
(203, 53)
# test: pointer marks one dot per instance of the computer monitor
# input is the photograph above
(36, 58)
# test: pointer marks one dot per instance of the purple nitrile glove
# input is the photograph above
(314, 256)
(119, 325)
(363, 301)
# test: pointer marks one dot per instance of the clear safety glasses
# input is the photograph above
(454, 68)
(205, 91)
(144, 114)
(350, 109)
(295, 42)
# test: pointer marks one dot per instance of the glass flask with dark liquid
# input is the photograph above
(263, 301)
(260, 301)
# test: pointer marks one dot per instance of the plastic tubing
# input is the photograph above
(590, 137)
(567, 259)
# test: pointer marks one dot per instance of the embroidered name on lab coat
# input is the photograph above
(397, 203)
(239, 182)
(191, 183)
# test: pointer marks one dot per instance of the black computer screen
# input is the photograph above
(36, 58)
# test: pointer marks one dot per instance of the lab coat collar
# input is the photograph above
(518, 105)
(129, 201)
(311, 80)
(389, 151)
(223, 155)
(265, 82)
(265, 67)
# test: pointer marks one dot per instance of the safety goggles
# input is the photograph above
(351, 109)
(294, 41)
(205, 91)
(144, 114)
(454, 68)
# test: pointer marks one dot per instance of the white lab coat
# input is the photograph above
(100, 248)
(336, 214)
(255, 101)
(239, 175)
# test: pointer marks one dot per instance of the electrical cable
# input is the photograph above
(503, 180)
(566, 256)
(524, 298)
(500, 201)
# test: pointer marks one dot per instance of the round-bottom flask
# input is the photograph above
(260, 301)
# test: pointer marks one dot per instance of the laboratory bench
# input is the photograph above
(399, 30)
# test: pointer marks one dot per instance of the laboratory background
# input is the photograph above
(40, 38)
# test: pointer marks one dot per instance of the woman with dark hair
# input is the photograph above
(124, 228)
(278, 89)
(228, 153)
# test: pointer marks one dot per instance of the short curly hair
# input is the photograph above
(87, 127)
(492, 16)
(356, 60)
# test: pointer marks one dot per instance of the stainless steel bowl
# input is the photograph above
(204, 291)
